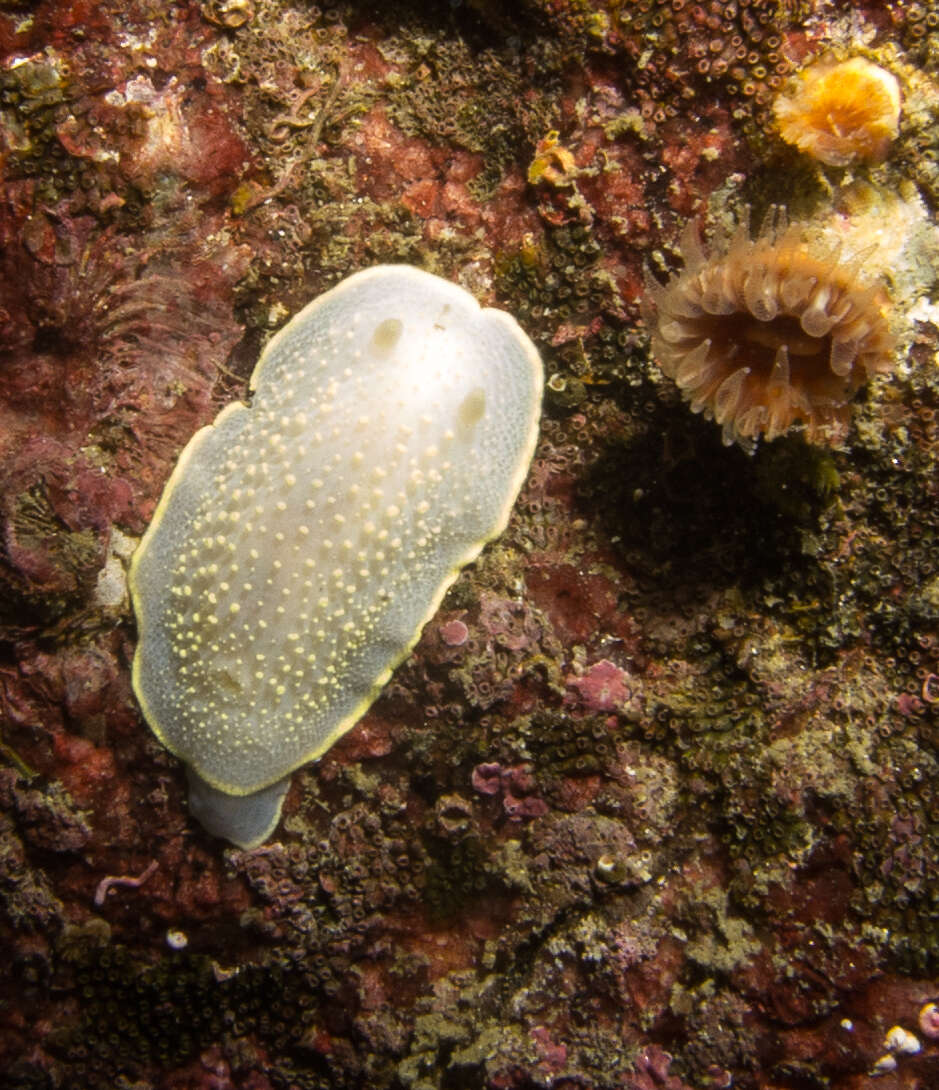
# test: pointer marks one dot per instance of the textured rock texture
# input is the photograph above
(654, 804)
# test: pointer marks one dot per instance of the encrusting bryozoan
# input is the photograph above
(303, 541)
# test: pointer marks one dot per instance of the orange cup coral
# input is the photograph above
(841, 112)
(765, 333)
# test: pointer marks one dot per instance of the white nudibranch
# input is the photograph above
(302, 542)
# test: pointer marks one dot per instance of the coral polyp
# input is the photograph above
(841, 112)
(768, 332)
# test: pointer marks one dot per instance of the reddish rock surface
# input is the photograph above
(654, 805)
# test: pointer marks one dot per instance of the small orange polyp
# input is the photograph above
(841, 112)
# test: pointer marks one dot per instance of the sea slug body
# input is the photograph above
(302, 542)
